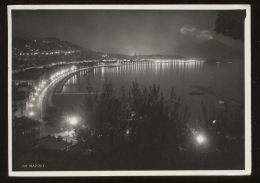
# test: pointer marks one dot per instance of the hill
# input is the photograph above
(43, 44)
(51, 49)
(205, 50)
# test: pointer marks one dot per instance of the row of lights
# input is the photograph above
(59, 73)
(43, 84)
(36, 94)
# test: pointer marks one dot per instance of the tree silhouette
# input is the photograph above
(104, 114)
(151, 132)
(54, 117)
(141, 118)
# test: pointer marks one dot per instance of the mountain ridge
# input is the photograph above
(207, 49)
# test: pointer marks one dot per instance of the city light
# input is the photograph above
(73, 120)
(31, 113)
(33, 98)
(30, 105)
(73, 68)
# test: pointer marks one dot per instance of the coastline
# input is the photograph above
(57, 86)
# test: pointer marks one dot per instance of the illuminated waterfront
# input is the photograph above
(179, 75)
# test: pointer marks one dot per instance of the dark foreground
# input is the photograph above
(127, 157)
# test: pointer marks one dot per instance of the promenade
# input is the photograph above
(46, 101)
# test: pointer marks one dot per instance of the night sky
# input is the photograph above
(120, 31)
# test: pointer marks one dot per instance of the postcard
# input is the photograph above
(129, 90)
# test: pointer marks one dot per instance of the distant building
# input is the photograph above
(32, 77)
(31, 82)
(19, 103)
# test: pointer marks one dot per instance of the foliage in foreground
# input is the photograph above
(57, 118)
(139, 129)
(142, 118)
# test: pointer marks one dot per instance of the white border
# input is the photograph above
(247, 68)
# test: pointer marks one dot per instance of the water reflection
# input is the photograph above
(70, 85)
(160, 69)
(222, 78)
(102, 73)
(165, 68)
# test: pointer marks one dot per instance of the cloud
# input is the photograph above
(203, 34)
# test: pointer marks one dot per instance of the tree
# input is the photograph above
(89, 104)
(54, 117)
(104, 115)
(149, 115)
(231, 23)
(225, 135)
(134, 125)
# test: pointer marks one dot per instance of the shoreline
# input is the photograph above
(58, 84)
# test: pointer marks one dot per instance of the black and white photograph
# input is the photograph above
(116, 90)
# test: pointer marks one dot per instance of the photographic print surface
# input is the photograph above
(129, 90)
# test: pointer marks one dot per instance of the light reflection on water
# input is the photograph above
(226, 79)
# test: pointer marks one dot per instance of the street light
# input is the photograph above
(73, 120)
(200, 138)
(31, 113)
(73, 68)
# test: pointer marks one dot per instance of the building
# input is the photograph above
(21, 95)
(32, 77)
(19, 103)
(31, 82)
(26, 130)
